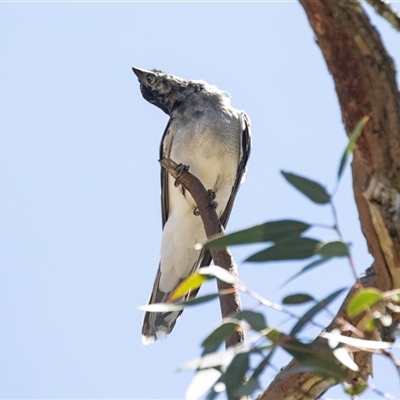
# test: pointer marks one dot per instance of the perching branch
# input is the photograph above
(230, 304)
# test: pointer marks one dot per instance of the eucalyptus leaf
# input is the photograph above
(362, 300)
(352, 142)
(220, 273)
(294, 249)
(334, 248)
(235, 374)
(255, 319)
(313, 190)
(190, 283)
(298, 298)
(308, 267)
(219, 335)
(268, 232)
(307, 317)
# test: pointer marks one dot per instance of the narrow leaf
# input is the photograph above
(308, 267)
(342, 354)
(359, 343)
(335, 248)
(190, 283)
(294, 249)
(220, 273)
(321, 367)
(255, 319)
(362, 300)
(352, 142)
(247, 389)
(201, 299)
(201, 383)
(235, 373)
(298, 298)
(162, 307)
(314, 358)
(313, 311)
(313, 190)
(267, 232)
(219, 335)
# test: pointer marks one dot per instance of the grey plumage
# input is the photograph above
(205, 132)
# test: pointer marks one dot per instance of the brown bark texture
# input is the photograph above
(364, 77)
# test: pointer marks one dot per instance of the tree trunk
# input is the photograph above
(364, 76)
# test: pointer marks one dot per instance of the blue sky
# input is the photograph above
(80, 197)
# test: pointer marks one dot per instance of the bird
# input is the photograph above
(207, 134)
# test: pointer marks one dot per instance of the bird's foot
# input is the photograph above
(212, 203)
(180, 168)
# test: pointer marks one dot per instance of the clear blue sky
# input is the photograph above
(80, 196)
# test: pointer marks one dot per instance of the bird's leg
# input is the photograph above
(180, 168)
(212, 203)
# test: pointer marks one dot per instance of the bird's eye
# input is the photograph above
(150, 79)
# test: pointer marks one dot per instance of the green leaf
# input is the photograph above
(247, 389)
(293, 249)
(316, 358)
(219, 335)
(235, 373)
(352, 142)
(335, 248)
(268, 232)
(321, 367)
(313, 311)
(313, 190)
(356, 388)
(220, 273)
(255, 319)
(308, 267)
(201, 299)
(190, 283)
(262, 365)
(298, 298)
(362, 300)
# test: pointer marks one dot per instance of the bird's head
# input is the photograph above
(163, 90)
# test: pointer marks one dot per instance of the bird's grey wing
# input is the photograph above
(165, 149)
(245, 148)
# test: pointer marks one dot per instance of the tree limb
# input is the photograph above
(230, 303)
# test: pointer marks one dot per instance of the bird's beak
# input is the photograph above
(140, 73)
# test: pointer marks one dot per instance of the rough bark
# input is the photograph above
(364, 77)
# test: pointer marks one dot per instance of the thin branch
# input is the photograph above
(383, 8)
(230, 304)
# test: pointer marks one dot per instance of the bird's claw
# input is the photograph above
(212, 203)
(180, 168)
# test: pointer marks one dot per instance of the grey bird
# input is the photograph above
(206, 133)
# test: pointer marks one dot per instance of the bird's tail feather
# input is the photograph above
(158, 325)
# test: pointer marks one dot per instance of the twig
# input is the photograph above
(384, 9)
(230, 304)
